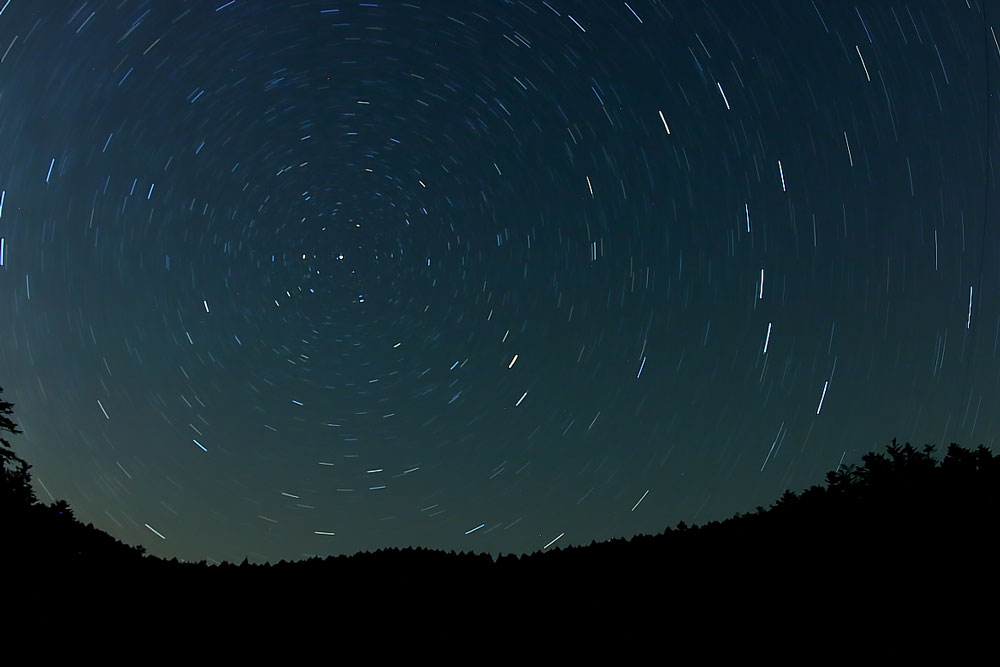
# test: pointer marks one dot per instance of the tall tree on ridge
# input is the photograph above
(15, 483)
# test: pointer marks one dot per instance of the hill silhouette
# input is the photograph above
(895, 557)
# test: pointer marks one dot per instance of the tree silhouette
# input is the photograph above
(859, 547)
(16, 492)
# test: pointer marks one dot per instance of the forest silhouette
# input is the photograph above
(895, 557)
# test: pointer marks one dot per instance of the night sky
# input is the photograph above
(283, 279)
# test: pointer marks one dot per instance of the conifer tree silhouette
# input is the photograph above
(16, 493)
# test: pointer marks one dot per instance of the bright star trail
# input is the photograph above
(288, 279)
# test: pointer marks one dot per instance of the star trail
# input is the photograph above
(287, 279)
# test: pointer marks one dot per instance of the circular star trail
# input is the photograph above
(288, 279)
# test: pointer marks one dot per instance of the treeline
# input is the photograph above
(896, 556)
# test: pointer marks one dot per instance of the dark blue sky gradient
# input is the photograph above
(282, 279)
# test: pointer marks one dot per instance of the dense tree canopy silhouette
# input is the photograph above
(42, 539)
(16, 492)
(848, 567)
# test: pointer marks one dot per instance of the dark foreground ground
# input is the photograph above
(892, 561)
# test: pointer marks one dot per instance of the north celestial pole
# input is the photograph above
(291, 279)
